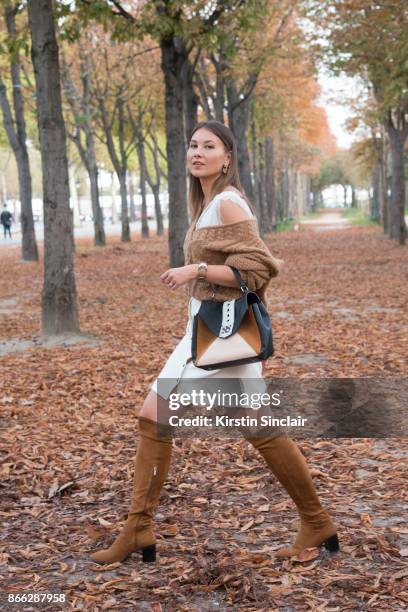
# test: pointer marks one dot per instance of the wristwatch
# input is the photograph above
(202, 271)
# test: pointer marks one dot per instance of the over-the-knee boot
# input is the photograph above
(152, 463)
(288, 464)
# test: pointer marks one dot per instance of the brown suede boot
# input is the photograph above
(288, 464)
(152, 463)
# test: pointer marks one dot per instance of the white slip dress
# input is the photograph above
(179, 365)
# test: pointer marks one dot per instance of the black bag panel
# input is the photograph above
(264, 322)
(211, 312)
(194, 340)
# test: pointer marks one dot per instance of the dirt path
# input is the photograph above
(327, 220)
(68, 436)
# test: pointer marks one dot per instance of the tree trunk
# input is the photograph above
(344, 196)
(398, 228)
(190, 100)
(158, 211)
(119, 163)
(145, 222)
(255, 167)
(315, 199)
(142, 165)
(353, 197)
(98, 221)
(29, 244)
(383, 185)
(291, 189)
(82, 113)
(173, 56)
(113, 198)
(132, 202)
(261, 188)
(306, 193)
(92, 168)
(74, 199)
(270, 191)
(16, 133)
(155, 186)
(284, 190)
(238, 114)
(59, 300)
(204, 89)
(375, 199)
(219, 102)
(125, 235)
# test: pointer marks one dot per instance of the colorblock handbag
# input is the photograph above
(231, 333)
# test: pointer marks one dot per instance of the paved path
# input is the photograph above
(331, 220)
(84, 230)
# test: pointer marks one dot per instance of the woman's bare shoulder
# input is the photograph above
(233, 189)
(231, 211)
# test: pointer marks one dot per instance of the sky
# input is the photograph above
(334, 91)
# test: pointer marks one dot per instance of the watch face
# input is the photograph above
(202, 271)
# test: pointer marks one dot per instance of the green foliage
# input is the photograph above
(197, 23)
(330, 174)
(4, 143)
(367, 39)
(357, 217)
(13, 46)
(286, 225)
(338, 170)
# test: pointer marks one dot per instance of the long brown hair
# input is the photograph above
(195, 192)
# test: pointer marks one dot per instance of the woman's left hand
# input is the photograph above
(177, 277)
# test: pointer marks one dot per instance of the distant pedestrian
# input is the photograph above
(6, 219)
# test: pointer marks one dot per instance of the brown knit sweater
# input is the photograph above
(238, 245)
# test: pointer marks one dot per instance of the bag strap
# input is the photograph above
(238, 276)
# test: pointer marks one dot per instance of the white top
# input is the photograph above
(211, 213)
(211, 216)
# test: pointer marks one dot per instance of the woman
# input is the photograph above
(223, 233)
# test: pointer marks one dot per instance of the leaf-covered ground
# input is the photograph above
(69, 432)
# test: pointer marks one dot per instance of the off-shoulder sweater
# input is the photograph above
(235, 244)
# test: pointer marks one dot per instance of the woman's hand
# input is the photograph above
(177, 277)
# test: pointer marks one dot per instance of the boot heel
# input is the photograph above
(332, 543)
(149, 553)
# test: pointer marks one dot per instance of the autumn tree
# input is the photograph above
(59, 301)
(14, 121)
(228, 73)
(179, 28)
(290, 135)
(76, 77)
(371, 152)
(113, 89)
(146, 118)
(370, 39)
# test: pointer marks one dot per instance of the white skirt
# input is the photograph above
(179, 366)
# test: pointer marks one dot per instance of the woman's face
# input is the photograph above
(206, 154)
